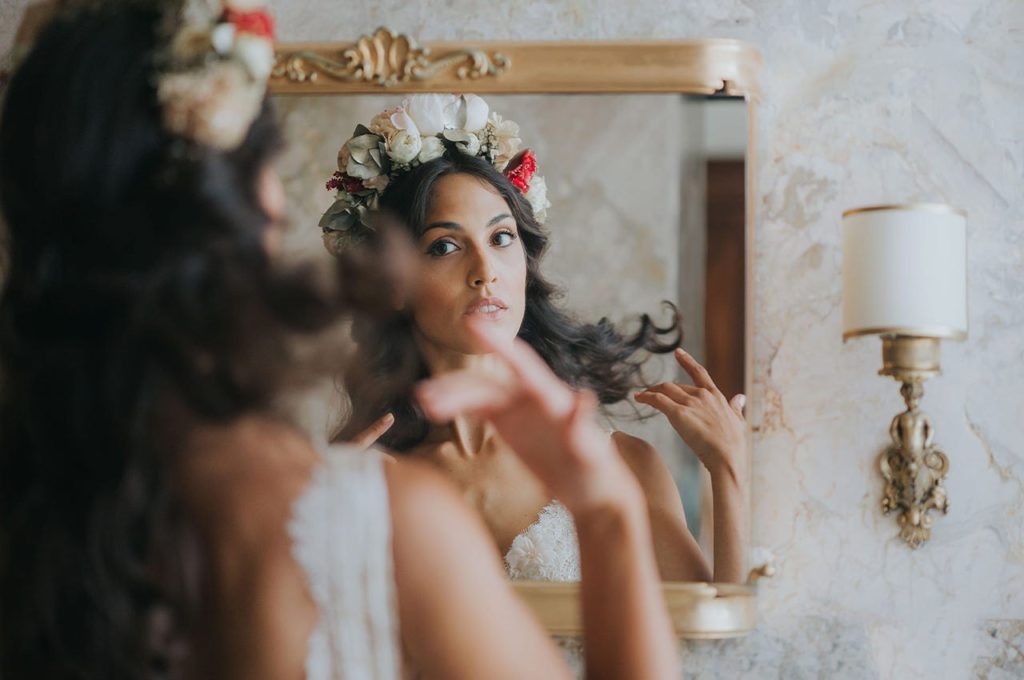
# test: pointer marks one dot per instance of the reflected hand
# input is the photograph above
(368, 437)
(549, 426)
(709, 424)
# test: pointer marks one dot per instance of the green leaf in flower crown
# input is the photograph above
(340, 221)
(343, 203)
(337, 242)
(359, 147)
(366, 160)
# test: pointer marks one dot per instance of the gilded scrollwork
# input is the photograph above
(913, 469)
(387, 59)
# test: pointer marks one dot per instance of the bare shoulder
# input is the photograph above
(642, 458)
(419, 495)
(451, 586)
(241, 480)
(649, 468)
(434, 532)
(239, 483)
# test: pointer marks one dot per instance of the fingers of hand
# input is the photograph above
(533, 374)
(697, 373)
(663, 403)
(677, 393)
(738, 403)
(375, 431)
(449, 395)
(584, 406)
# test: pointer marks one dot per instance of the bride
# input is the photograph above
(451, 172)
(158, 517)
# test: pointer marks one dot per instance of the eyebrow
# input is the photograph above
(455, 226)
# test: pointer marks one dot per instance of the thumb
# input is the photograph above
(738, 402)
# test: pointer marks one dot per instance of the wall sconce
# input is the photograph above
(905, 279)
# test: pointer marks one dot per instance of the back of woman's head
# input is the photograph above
(137, 285)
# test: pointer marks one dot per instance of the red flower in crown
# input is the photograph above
(258, 23)
(521, 169)
(340, 180)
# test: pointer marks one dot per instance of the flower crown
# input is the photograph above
(421, 130)
(214, 76)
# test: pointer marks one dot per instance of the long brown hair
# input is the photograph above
(137, 278)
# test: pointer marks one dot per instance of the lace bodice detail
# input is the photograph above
(341, 535)
(547, 550)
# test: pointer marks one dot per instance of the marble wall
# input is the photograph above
(865, 101)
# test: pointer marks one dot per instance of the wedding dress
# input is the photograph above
(341, 537)
(547, 550)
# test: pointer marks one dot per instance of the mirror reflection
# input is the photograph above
(617, 238)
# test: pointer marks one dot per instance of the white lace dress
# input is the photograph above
(341, 535)
(549, 551)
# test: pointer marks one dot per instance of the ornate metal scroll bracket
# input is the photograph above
(388, 59)
(912, 466)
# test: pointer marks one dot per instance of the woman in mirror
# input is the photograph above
(451, 172)
(159, 516)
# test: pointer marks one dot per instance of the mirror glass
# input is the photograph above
(647, 204)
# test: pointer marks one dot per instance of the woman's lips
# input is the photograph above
(488, 307)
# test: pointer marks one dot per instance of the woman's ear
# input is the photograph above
(271, 195)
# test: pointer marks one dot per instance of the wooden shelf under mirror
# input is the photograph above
(699, 611)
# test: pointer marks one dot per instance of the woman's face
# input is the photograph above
(474, 266)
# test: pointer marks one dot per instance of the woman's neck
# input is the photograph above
(469, 434)
(441, 360)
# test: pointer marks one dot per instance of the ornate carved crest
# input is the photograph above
(387, 59)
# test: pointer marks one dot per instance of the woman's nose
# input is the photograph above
(482, 272)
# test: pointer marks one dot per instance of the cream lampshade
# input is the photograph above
(905, 271)
(905, 278)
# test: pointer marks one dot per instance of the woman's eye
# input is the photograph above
(441, 248)
(504, 238)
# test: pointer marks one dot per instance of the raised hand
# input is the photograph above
(370, 435)
(709, 424)
(550, 427)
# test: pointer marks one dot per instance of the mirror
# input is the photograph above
(647, 196)
(648, 186)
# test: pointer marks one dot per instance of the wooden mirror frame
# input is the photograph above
(386, 62)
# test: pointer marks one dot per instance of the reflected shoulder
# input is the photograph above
(649, 468)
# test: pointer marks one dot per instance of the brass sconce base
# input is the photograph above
(913, 467)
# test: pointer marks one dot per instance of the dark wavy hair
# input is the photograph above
(139, 301)
(594, 356)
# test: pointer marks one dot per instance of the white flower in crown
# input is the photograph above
(537, 197)
(434, 113)
(405, 146)
(433, 148)
(257, 54)
(504, 137)
(418, 132)
(466, 142)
